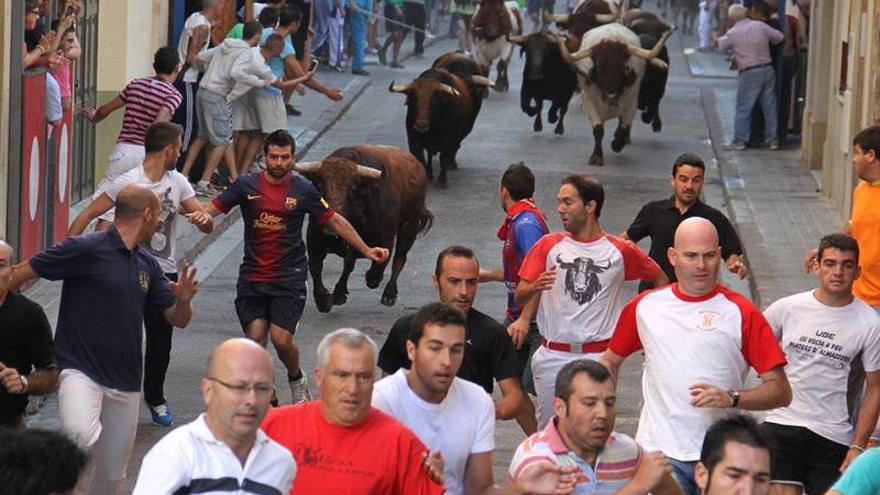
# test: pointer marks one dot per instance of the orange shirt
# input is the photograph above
(377, 457)
(865, 228)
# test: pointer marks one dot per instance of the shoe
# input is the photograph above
(418, 55)
(203, 190)
(299, 390)
(381, 53)
(162, 415)
(292, 111)
(735, 146)
(773, 145)
(216, 188)
(360, 72)
(396, 65)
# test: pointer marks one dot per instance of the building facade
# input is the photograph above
(45, 172)
(843, 90)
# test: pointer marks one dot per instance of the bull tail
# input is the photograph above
(425, 221)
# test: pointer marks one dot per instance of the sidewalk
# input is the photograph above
(772, 197)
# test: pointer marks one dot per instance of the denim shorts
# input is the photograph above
(215, 118)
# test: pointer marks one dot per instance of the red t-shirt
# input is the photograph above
(377, 457)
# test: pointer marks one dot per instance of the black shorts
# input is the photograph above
(395, 14)
(279, 303)
(800, 457)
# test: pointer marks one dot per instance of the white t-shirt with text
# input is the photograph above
(461, 425)
(820, 343)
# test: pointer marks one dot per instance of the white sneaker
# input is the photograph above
(299, 390)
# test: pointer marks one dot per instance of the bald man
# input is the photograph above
(224, 448)
(27, 358)
(699, 340)
(109, 283)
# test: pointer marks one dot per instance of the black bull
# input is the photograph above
(546, 76)
(381, 209)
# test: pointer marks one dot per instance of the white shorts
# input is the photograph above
(546, 364)
(124, 157)
(244, 115)
(101, 420)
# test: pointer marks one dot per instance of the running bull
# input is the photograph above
(546, 76)
(381, 190)
(610, 65)
(440, 114)
(649, 27)
(493, 22)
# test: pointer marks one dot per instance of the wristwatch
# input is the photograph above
(24, 383)
(734, 394)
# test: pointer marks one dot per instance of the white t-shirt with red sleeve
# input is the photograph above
(582, 306)
(712, 339)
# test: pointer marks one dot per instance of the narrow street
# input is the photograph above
(466, 213)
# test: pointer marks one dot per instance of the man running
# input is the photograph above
(147, 100)
(824, 332)
(577, 309)
(582, 434)
(162, 143)
(699, 339)
(451, 415)
(271, 289)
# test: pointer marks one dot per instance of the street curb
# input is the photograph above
(305, 140)
(726, 172)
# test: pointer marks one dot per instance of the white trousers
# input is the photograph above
(546, 364)
(103, 421)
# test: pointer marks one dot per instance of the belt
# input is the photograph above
(577, 348)
(754, 67)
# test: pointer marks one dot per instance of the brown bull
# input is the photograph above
(381, 190)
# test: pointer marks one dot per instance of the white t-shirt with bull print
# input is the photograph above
(583, 305)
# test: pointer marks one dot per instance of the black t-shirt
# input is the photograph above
(488, 352)
(659, 219)
(25, 344)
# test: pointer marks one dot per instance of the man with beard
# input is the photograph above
(699, 339)
(825, 332)
(735, 459)
(577, 309)
(271, 289)
(659, 219)
(223, 450)
(451, 415)
(581, 434)
(489, 356)
(162, 144)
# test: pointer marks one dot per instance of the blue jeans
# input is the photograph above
(753, 85)
(683, 473)
(358, 25)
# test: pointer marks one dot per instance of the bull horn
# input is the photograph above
(548, 17)
(370, 173)
(307, 167)
(660, 64)
(569, 57)
(652, 53)
(482, 81)
(449, 90)
(398, 88)
(519, 40)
